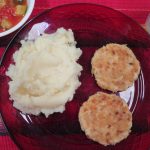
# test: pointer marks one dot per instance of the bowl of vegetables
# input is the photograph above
(13, 14)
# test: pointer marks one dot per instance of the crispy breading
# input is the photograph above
(105, 118)
(115, 67)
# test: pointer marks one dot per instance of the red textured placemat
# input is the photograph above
(137, 10)
(6, 143)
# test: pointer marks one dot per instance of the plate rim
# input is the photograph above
(32, 19)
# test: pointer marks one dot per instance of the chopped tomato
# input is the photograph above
(15, 19)
(7, 11)
(2, 30)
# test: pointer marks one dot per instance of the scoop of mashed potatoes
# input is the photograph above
(45, 74)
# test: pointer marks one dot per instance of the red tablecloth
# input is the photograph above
(137, 9)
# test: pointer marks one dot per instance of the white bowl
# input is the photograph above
(30, 7)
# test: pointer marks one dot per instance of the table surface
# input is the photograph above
(137, 9)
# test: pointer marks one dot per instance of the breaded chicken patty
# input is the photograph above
(115, 67)
(105, 118)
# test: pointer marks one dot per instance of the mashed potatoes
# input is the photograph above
(45, 74)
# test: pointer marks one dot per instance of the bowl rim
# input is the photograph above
(24, 19)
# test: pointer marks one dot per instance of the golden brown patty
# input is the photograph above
(115, 67)
(105, 118)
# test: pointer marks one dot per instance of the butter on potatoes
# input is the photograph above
(45, 74)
